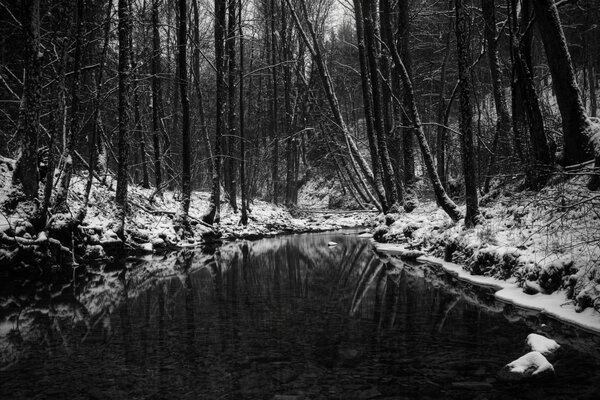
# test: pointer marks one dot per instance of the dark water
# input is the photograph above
(268, 319)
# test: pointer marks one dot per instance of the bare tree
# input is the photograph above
(156, 95)
(97, 120)
(576, 125)
(60, 199)
(232, 120)
(466, 115)
(503, 118)
(368, 102)
(181, 219)
(244, 216)
(213, 214)
(124, 12)
(26, 171)
(440, 193)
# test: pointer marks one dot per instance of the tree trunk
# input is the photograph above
(96, 129)
(274, 109)
(287, 120)
(334, 105)
(441, 135)
(440, 193)
(181, 218)
(527, 109)
(244, 217)
(26, 172)
(368, 103)
(503, 118)
(466, 115)
(123, 112)
(58, 126)
(156, 95)
(370, 12)
(391, 88)
(138, 124)
(592, 80)
(231, 141)
(199, 94)
(407, 133)
(213, 214)
(60, 199)
(172, 145)
(576, 126)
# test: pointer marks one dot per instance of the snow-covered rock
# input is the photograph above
(146, 247)
(158, 243)
(109, 238)
(541, 344)
(94, 251)
(531, 365)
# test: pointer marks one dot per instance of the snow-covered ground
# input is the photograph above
(540, 250)
(149, 221)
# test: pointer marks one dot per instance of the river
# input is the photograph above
(284, 318)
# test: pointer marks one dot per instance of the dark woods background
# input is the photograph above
(296, 91)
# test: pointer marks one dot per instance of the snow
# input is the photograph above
(149, 223)
(594, 134)
(554, 305)
(459, 272)
(396, 250)
(541, 344)
(530, 365)
(545, 242)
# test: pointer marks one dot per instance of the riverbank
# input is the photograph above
(539, 249)
(270, 319)
(149, 223)
(553, 305)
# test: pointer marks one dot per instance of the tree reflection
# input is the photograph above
(242, 320)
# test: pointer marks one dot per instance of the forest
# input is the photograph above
(391, 100)
(296, 196)
(379, 105)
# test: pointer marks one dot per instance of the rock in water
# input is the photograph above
(541, 344)
(331, 244)
(531, 365)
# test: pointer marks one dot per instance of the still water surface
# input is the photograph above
(278, 317)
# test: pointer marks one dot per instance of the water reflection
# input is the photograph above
(250, 320)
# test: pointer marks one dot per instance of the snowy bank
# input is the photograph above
(149, 222)
(553, 305)
(538, 250)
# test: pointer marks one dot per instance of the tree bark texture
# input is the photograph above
(274, 108)
(230, 161)
(368, 103)
(186, 142)
(466, 115)
(60, 199)
(503, 119)
(26, 171)
(213, 214)
(407, 133)
(440, 193)
(244, 216)
(575, 124)
(373, 56)
(156, 95)
(123, 113)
